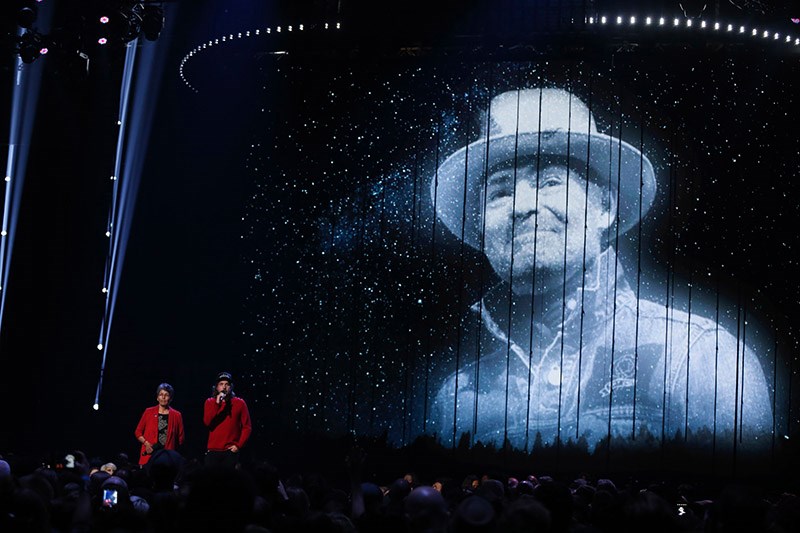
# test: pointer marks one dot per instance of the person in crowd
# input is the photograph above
(426, 511)
(161, 426)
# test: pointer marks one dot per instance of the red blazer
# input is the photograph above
(148, 428)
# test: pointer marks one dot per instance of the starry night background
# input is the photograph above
(357, 293)
(285, 232)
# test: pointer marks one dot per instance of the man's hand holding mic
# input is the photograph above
(221, 397)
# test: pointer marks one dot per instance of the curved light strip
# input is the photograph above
(219, 41)
(691, 24)
(619, 21)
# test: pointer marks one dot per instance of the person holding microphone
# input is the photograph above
(228, 421)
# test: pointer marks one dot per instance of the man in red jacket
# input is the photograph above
(228, 422)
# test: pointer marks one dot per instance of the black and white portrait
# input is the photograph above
(567, 349)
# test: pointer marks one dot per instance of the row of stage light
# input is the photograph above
(661, 22)
(142, 73)
(620, 22)
(244, 35)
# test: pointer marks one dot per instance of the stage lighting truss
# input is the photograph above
(114, 22)
(126, 20)
(27, 14)
(125, 24)
(152, 21)
(31, 45)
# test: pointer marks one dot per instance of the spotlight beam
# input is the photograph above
(110, 278)
(141, 78)
(25, 96)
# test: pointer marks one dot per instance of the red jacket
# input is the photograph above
(228, 423)
(148, 428)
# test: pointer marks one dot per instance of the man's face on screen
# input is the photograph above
(536, 215)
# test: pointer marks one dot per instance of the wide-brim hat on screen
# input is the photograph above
(530, 123)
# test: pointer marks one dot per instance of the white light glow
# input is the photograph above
(108, 234)
(96, 407)
(3, 233)
(104, 290)
(8, 178)
(100, 346)
(632, 20)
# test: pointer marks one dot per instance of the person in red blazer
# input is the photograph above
(161, 426)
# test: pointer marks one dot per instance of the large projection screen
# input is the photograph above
(584, 253)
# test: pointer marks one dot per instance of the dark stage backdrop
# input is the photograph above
(539, 253)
